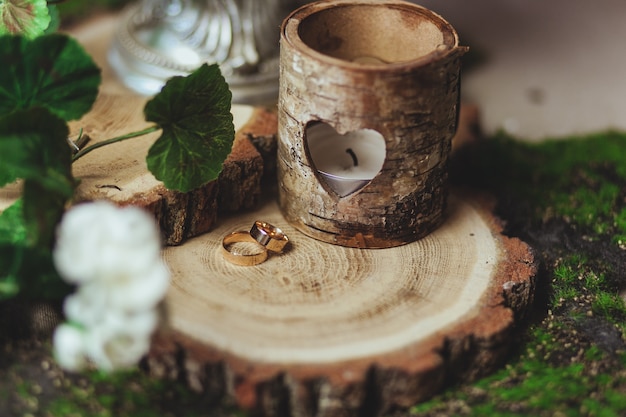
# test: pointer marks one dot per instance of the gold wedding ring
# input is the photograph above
(238, 258)
(269, 236)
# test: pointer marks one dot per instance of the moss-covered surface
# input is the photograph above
(567, 199)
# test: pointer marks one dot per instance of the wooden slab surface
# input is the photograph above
(323, 329)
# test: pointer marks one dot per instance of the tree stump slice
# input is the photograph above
(118, 172)
(324, 330)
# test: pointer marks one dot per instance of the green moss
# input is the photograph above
(565, 274)
(531, 386)
(620, 228)
(559, 368)
(582, 180)
(592, 207)
(575, 280)
(608, 305)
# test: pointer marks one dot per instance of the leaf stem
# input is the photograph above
(100, 144)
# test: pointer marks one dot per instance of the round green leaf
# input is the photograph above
(51, 71)
(33, 146)
(12, 228)
(24, 17)
(29, 273)
(198, 131)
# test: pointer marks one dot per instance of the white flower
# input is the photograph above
(69, 347)
(86, 306)
(102, 241)
(120, 341)
(113, 254)
(141, 293)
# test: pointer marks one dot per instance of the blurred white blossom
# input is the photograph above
(113, 255)
(102, 242)
(68, 346)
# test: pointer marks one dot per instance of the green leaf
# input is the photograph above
(51, 71)
(55, 19)
(29, 272)
(24, 17)
(33, 147)
(198, 132)
(43, 209)
(12, 227)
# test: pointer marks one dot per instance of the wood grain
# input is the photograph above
(119, 173)
(318, 319)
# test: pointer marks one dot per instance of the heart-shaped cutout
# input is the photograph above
(345, 163)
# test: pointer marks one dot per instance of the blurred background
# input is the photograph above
(546, 68)
(537, 69)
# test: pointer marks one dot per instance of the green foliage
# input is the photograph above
(194, 113)
(55, 19)
(34, 148)
(50, 80)
(541, 387)
(51, 71)
(12, 227)
(29, 18)
(30, 273)
(33, 145)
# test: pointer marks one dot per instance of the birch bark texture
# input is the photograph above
(390, 66)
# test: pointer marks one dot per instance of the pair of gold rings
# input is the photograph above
(265, 237)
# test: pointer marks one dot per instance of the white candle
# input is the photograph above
(346, 163)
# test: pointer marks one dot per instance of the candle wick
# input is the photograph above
(353, 155)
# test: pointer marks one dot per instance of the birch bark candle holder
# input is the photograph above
(368, 105)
